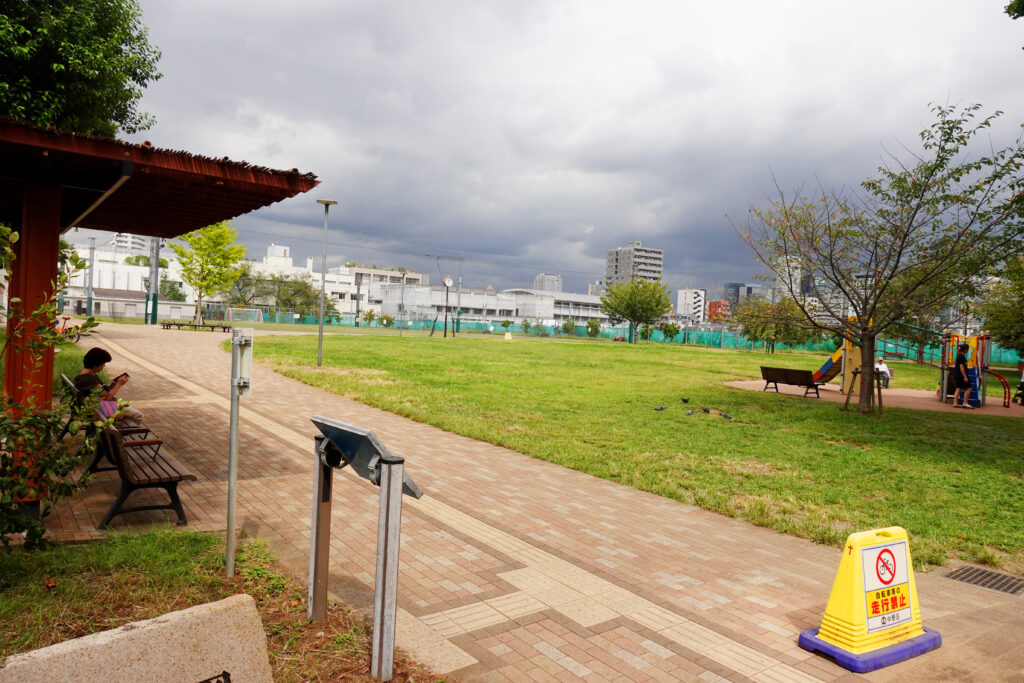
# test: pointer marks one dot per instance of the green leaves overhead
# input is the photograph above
(79, 65)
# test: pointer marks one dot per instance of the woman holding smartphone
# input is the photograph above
(88, 382)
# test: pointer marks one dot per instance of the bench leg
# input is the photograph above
(94, 464)
(115, 509)
(118, 507)
(172, 491)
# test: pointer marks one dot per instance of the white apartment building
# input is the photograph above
(633, 262)
(133, 244)
(424, 303)
(119, 290)
(548, 283)
(691, 305)
(348, 287)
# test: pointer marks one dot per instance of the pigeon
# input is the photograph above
(660, 408)
(686, 400)
(690, 411)
(707, 411)
(727, 416)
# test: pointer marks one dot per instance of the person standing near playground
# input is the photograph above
(963, 383)
(882, 370)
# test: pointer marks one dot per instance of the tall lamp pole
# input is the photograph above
(328, 203)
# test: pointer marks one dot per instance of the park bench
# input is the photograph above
(799, 378)
(212, 327)
(141, 465)
(128, 433)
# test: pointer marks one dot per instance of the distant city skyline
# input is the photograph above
(527, 280)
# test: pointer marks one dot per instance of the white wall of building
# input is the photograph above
(691, 305)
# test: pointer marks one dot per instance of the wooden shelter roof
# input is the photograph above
(112, 185)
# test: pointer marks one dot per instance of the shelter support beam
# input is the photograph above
(32, 276)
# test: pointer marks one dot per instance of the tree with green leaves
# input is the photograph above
(1015, 9)
(142, 260)
(593, 328)
(79, 66)
(856, 263)
(669, 331)
(640, 302)
(1004, 306)
(297, 294)
(369, 316)
(248, 288)
(209, 260)
(775, 322)
(170, 290)
(569, 326)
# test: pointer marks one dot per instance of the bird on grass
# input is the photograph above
(685, 400)
(660, 408)
(706, 410)
(690, 411)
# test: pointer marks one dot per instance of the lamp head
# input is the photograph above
(326, 202)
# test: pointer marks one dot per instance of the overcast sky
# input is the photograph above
(532, 137)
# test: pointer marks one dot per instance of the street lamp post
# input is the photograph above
(328, 203)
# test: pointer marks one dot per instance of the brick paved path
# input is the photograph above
(513, 568)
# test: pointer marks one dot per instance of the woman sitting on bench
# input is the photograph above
(88, 382)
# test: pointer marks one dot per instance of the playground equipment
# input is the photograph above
(978, 358)
(843, 361)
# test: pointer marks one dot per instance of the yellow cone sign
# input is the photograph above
(872, 618)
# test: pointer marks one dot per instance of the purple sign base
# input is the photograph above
(875, 659)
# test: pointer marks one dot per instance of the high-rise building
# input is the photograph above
(690, 304)
(548, 283)
(129, 242)
(732, 293)
(633, 262)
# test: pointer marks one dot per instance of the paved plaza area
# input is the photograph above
(514, 569)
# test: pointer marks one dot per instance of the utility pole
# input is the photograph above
(401, 308)
(458, 304)
(88, 277)
(154, 280)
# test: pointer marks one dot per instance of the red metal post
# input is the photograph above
(33, 273)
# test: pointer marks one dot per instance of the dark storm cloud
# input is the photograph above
(532, 137)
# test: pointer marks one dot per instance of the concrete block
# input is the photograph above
(193, 644)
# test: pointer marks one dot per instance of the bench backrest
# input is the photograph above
(72, 389)
(113, 444)
(801, 377)
(787, 376)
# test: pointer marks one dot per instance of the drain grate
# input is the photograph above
(989, 579)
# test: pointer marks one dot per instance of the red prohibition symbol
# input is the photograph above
(885, 566)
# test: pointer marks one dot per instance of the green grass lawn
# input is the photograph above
(797, 465)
